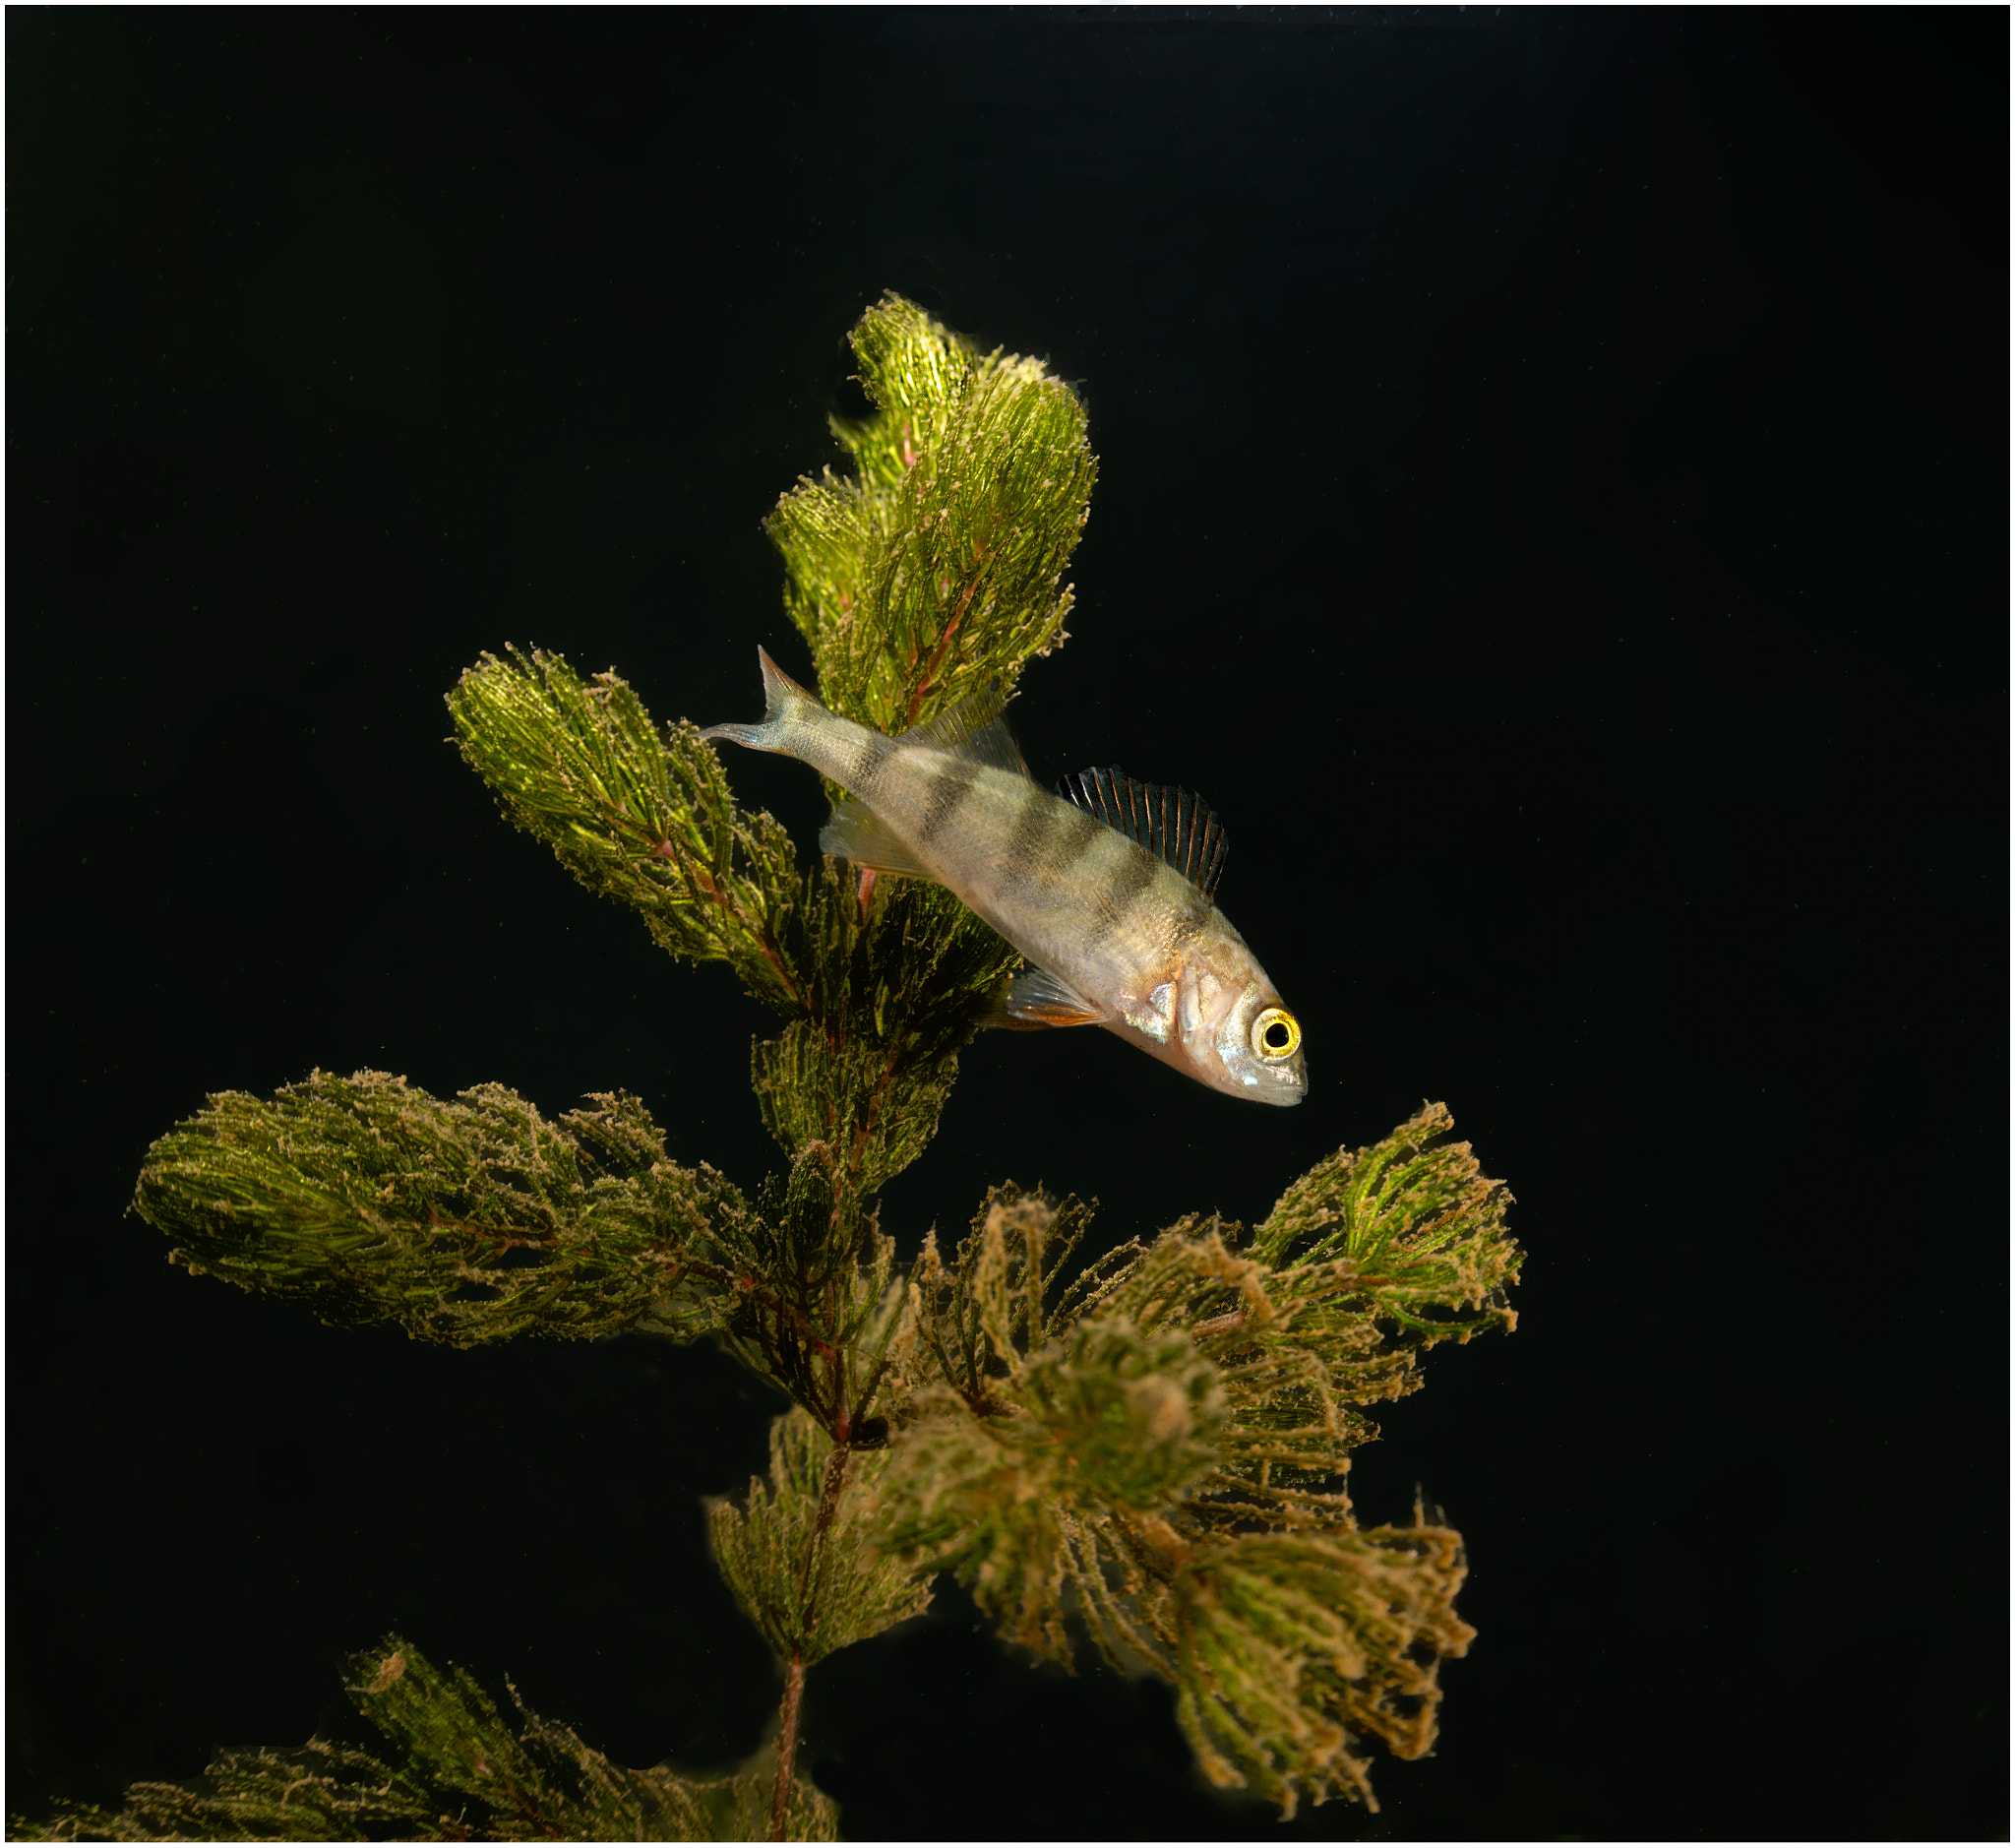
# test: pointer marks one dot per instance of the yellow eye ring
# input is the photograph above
(1276, 1035)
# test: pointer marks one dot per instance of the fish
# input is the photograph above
(1107, 889)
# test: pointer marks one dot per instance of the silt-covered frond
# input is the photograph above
(1100, 1428)
(1289, 1430)
(1420, 1227)
(643, 820)
(458, 1771)
(974, 1319)
(1127, 1417)
(316, 1792)
(812, 1590)
(1291, 1647)
(464, 1220)
(936, 569)
(894, 990)
(542, 1782)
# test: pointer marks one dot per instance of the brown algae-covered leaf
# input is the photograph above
(466, 1220)
(1293, 1647)
(808, 1604)
(1418, 1224)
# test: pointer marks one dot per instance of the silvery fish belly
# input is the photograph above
(1108, 895)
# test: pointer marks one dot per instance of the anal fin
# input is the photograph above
(1035, 999)
(854, 831)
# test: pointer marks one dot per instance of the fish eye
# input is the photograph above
(1276, 1034)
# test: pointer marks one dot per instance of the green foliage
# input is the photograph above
(1288, 1644)
(464, 1221)
(459, 1772)
(1420, 1228)
(580, 766)
(809, 1600)
(318, 1792)
(1160, 1454)
(936, 569)
(1146, 1451)
(973, 1322)
(1131, 1419)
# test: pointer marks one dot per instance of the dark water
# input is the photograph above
(1555, 508)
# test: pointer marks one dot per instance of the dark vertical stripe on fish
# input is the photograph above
(1132, 878)
(1190, 922)
(874, 752)
(948, 790)
(1039, 825)
(1080, 833)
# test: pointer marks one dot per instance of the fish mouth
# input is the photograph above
(1287, 1086)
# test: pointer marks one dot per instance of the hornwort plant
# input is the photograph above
(1146, 1450)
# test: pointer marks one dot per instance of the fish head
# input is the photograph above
(1235, 1033)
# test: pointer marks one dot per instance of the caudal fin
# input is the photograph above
(788, 711)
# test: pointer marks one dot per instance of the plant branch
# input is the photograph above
(787, 1744)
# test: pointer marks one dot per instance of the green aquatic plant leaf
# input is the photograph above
(807, 1575)
(1291, 1647)
(459, 1771)
(1419, 1233)
(1041, 1448)
(1290, 1430)
(466, 1220)
(316, 1792)
(648, 820)
(937, 567)
(975, 1319)
(896, 990)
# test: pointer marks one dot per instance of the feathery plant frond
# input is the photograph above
(1419, 1226)
(1146, 1451)
(647, 822)
(973, 1321)
(316, 1792)
(1291, 1645)
(931, 574)
(936, 569)
(464, 1221)
(1195, 1391)
(461, 1772)
(809, 1602)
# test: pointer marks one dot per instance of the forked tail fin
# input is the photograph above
(788, 712)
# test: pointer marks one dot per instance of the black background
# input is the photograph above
(1553, 505)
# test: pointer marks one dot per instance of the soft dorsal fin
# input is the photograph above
(974, 729)
(1169, 823)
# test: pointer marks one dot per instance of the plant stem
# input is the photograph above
(786, 1746)
(794, 1674)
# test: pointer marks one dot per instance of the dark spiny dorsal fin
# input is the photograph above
(1169, 823)
(974, 729)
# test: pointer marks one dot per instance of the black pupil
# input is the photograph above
(1275, 1035)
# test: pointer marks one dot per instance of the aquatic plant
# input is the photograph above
(1142, 1453)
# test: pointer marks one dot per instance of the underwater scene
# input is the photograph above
(999, 925)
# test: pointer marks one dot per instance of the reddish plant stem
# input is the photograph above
(936, 660)
(787, 1746)
(794, 1675)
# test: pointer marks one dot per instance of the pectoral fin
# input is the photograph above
(1035, 999)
